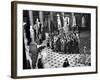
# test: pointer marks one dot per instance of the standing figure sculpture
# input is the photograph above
(58, 21)
(36, 27)
(66, 25)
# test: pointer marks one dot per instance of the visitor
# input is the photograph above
(66, 63)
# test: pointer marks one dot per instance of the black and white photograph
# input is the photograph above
(56, 39)
(53, 39)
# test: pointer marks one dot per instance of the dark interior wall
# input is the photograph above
(87, 21)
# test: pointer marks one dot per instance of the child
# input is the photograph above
(66, 63)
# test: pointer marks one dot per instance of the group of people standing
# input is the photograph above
(64, 43)
(58, 38)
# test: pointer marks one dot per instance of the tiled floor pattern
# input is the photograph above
(56, 60)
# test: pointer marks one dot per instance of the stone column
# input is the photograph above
(41, 19)
(51, 15)
(31, 25)
(73, 20)
(63, 16)
(49, 23)
(83, 22)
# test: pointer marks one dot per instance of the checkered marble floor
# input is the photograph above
(56, 60)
